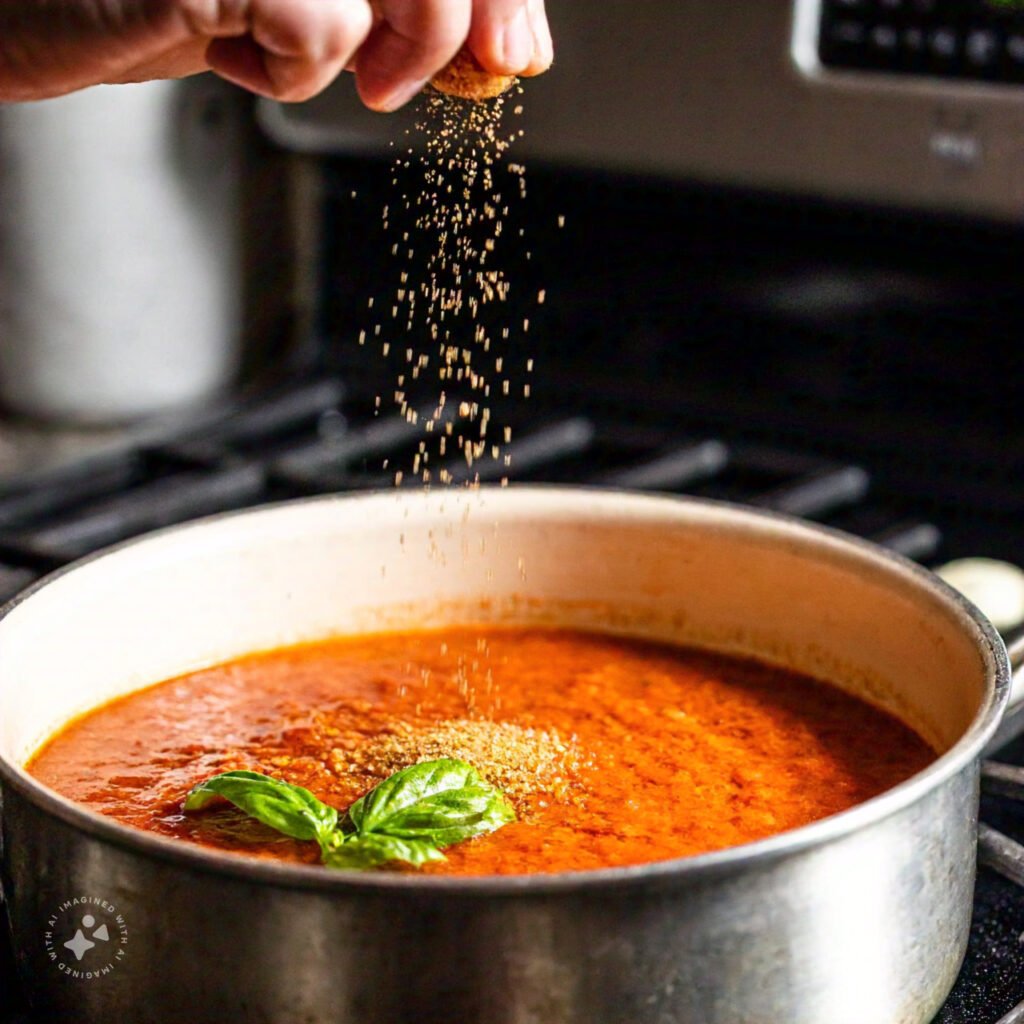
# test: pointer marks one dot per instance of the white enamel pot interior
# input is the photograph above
(689, 572)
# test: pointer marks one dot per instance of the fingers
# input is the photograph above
(413, 39)
(285, 49)
(511, 37)
(292, 49)
(501, 37)
(543, 45)
(177, 61)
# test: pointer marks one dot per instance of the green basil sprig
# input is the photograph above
(409, 817)
(358, 853)
(289, 809)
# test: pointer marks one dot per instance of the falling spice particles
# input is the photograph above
(453, 208)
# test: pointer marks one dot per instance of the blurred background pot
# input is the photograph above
(119, 250)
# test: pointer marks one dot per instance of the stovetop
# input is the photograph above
(853, 368)
(308, 439)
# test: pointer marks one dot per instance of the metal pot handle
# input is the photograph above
(1016, 653)
(1012, 724)
(996, 850)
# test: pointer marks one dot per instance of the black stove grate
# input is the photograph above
(306, 439)
(309, 438)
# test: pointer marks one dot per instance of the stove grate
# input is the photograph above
(307, 440)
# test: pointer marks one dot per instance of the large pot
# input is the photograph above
(858, 919)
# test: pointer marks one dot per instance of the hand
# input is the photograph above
(285, 49)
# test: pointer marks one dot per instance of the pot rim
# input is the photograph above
(818, 833)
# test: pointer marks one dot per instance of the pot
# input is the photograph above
(861, 918)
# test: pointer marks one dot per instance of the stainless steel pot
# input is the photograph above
(858, 919)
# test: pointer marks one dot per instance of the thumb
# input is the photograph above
(288, 50)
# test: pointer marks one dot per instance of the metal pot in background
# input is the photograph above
(861, 918)
(120, 281)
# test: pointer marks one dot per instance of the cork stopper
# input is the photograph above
(465, 78)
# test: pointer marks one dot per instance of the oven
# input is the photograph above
(780, 248)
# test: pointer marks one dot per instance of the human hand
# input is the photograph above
(285, 49)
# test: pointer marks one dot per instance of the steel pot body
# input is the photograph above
(857, 919)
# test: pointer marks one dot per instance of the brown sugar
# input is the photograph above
(465, 78)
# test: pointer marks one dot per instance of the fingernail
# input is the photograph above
(543, 49)
(517, 42)
(402, 93)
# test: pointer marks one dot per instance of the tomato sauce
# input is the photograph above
(613, 751)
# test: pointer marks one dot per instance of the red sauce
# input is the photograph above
(668, 752)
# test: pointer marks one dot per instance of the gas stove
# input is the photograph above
(849, 367)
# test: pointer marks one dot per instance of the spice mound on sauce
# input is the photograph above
(519, 761)
(612, 751)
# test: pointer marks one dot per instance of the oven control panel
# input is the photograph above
(916, 104)
(971, 39)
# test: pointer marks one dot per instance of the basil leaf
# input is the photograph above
(408, 817)
(284, 807)
(443, 801)
(371, 851)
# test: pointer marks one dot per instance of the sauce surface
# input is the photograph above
(614, 752)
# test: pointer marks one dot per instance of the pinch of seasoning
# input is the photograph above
(467, 79)
(520, 761)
